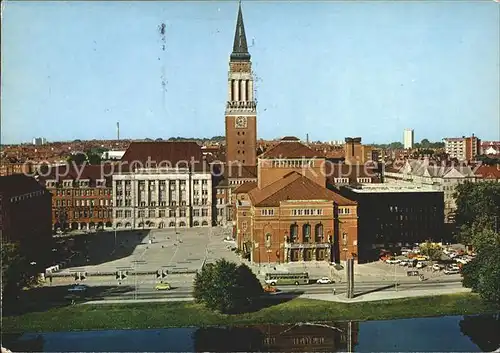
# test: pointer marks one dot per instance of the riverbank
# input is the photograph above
(184, 314)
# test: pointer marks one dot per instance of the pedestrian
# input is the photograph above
(50, 279)
(334, 291)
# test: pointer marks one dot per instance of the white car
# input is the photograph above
(324, 280)
(454, 267)
(420, 265)
(451, 271)
(392, 261)
(436, 267)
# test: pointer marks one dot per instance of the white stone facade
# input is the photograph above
(153, 198)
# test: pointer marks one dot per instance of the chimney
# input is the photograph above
(118, 131)
(307, 139)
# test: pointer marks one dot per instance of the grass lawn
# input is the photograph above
(179, 314)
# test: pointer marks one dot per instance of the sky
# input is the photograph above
(72, 70)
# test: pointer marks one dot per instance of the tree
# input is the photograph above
(425, 143)
(478, 208)
(226, 287)
(77, 158)
(17, 272)
(482, 274)
(432, 250)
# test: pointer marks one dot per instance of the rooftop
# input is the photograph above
(392, 188)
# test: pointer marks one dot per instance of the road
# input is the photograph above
(182, 288)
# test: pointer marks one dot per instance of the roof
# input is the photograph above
(392, 188)
(164, 153)
(488, 172)
(240, 47)
(294, 186)
(245, 187)
(350, 171)
(436, 170)
(290, 147)
(80, 172)
(18, 184)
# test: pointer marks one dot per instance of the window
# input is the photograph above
(204, 212)
(345, 210)
(318, 233)
(267, 212)
(196, 213)
(294, 233)
(306, 233)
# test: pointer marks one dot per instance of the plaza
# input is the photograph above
(184, 250)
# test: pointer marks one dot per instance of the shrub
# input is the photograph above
(226, 287)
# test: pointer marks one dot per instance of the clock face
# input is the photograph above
(241, 122)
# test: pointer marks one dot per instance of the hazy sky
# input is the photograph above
(331, 69)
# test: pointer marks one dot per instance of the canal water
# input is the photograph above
(450, 333)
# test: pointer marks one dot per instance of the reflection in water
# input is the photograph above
(483, 330)
(449, 333)
(305, 337)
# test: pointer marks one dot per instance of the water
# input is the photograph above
(450, 333)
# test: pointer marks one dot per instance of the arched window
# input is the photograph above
(294, 233)
(306, 233)
(171, 224)
(182, 224)
(161, 225)
(268, 240)
(204, 223)
(318, 233)
(196, 223)
(119, 225)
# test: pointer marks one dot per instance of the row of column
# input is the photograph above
(246, 87)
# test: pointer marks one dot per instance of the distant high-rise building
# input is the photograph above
(38, 141)
(462, 148)
(408, 139)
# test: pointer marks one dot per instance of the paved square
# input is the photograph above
(153, 249)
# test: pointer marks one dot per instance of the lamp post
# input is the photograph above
(344, 244)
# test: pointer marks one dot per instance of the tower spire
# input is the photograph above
(240, 47)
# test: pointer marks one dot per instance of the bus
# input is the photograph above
(287, 278)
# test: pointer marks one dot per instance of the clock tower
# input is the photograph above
(241, 108)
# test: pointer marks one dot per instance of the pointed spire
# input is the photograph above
(240, 48)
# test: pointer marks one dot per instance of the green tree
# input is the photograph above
(77, 158)
(431, 250)
(425, 143)
(17, 272)
(482, 274)
(478, 208)
(226, 287)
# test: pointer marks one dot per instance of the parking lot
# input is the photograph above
(151, 250)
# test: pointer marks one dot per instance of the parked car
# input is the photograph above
(269, 289)
(324, 280)
(436, 267)
(78, 288)
(403, 263)
(420, 265)
(450, 271)
(163, 286)
(392, 261)
(454, 267)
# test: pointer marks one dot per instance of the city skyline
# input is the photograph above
(413, 60)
